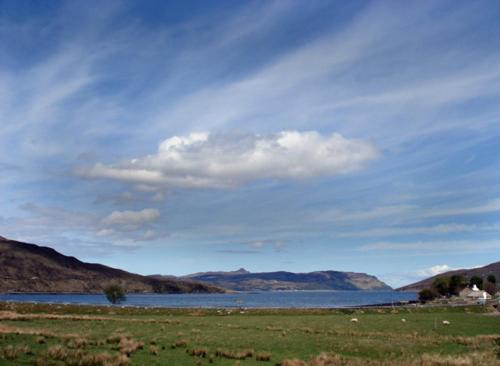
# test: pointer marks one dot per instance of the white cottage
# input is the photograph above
(474, 294)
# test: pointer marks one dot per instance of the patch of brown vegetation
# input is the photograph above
(80, 358)
(199, 352)
(12, 352)
(7, 329)
(470, 359)
(180, 343)
(293, 362)
(263, 356)
(77, 343)
(128, 345)
(12, 315)
(273, 328)
(234, 355)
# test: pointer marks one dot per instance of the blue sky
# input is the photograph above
(175, 137)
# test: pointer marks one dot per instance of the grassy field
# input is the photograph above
(89, 336)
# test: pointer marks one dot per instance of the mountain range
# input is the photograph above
(483, 272)
(243, 280)
(28, 267)
(31, 268)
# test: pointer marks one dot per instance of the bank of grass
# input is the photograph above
(112, 336)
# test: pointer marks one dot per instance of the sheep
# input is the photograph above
(354, 320)
(403, 320)
(446, 322)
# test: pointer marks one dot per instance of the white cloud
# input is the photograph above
(131, 218)
(434, 270)
(202, 160)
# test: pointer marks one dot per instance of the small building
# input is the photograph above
(474, 294)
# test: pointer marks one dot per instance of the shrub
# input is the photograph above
(426, 295)
(115, 293)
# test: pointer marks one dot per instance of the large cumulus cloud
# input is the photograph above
(203, 160)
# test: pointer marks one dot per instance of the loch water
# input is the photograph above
(277, 299)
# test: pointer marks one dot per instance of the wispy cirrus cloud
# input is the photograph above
(488, 207)
(423, 230)
(131, 218)
(425, 247)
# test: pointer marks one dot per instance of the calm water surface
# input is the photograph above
(297, 299)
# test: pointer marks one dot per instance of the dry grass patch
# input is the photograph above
(263, 356)
(128, 345)
(12, 352)
(7, 329)
(153, 350)
(80, 358)
(180, 343)
(198, 352)
(77, 343)
(234, 355)
(470, 359)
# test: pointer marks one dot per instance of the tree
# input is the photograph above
(491, 278)
(426, 295)
(115, 293)
(441, 285)
(490, 288)
(476, 280)
(457, 283)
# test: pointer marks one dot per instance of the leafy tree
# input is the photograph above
(457, 283)
(490, 288)
(115, 293)
(441, 285)
(426, 295)
(491, 278)
(476, 280)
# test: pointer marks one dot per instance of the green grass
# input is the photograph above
(380, 336)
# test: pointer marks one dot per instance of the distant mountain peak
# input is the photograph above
(3, 238)
(242, 271)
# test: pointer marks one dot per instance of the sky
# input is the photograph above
(175, 137)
